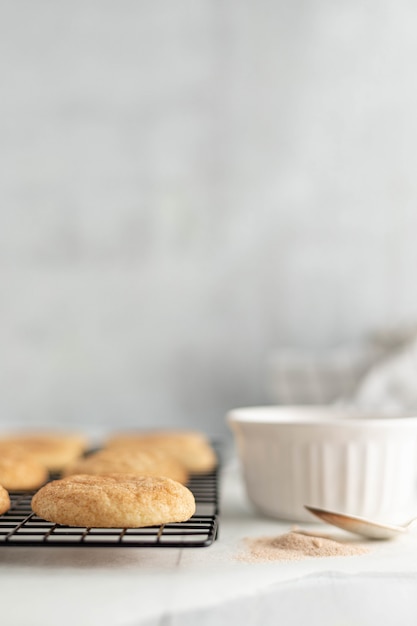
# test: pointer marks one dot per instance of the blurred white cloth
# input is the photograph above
(299, 377)
(379, 373)
(390, 384)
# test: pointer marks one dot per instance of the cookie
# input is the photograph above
(54, 450)
(114, 501)
(20, 472)
(4, 500)
(139, 462)
(191, 448)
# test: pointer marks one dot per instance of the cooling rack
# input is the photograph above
(21, 527)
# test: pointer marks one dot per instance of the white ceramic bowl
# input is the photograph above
(363, 464)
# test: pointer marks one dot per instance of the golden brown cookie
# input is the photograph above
(115, 501)
(4, 500)
(140, 462)
(189, 447)
(54, 450)
(19, 471)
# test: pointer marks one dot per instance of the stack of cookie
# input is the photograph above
(136, 480)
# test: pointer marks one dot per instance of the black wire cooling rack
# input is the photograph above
(21, 527)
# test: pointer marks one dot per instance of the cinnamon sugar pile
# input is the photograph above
(297, 545)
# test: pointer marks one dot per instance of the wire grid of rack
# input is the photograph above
(21, 527)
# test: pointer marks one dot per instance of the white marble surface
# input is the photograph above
(135, 587)
(187, 185)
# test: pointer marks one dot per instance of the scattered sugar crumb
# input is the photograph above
(295, 546)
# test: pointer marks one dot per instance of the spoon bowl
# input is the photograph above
(361, 525)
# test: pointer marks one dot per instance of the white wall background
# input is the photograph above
(185, 186)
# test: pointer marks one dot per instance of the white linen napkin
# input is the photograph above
(377, 373)
(391, 383)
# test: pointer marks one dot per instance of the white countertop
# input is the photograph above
(136, 587)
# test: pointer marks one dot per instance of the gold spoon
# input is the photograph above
(361, 525)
